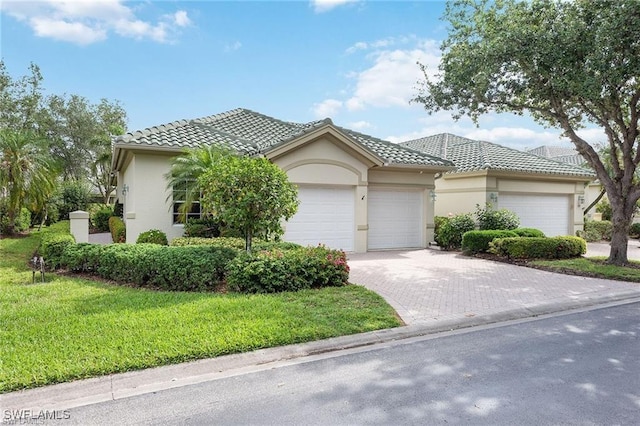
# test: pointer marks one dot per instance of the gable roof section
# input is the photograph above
(565, 155)
(251, 133)
(471, 155)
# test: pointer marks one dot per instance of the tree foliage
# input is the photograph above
(27, 174)
(250, 194)
(78, 132)
(188, 167)
(567, 64)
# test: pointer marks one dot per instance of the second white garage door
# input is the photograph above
(548, 213)
(325, 216)
(395, 218)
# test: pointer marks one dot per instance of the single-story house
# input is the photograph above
(356, 192)
(545, 194)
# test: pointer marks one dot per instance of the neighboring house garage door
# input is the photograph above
(325, 216)
(548, 213)
(395, 218)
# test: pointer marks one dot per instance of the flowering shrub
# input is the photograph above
(277, 270)
(153, 236)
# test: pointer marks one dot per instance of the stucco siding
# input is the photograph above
(146, 205)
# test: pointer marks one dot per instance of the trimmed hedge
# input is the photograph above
(539, 248)
(53, 243)
(118, 229)
(233, 242)
(528, 232)
(100, 217)
(153, 236)
(478, 241)
(287, 270)
(195, 268)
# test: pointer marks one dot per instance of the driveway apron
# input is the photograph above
(431, 286)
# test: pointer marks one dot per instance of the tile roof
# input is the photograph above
(472, 155)
(252, 133)
(558, 153)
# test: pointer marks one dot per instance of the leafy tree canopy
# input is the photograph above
(567, 64)
(250, 194)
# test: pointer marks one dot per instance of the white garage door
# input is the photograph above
(395, 219)
(325, 216)
(548, 213)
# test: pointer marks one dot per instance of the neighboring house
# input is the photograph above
(571, 156)
(356, 192)
(545, 194)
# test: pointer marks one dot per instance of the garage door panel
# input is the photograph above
(325, 216)
(548, 213)
(395, 219)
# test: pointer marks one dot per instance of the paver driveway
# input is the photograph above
(430, 286)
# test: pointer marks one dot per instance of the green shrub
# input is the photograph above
(539, 248)
(153, 236)
(100, 218)
(74, 196)
(287, 270)
(151, 265)
(206, 227)
(229, 242)
(634, 230)
(597, 230)
(23, 221)
(528, 232)
(118, 230)
(502, 219)
(605, 208)
(450, 231)
(478, 241)
(52, 247)
(82, 257)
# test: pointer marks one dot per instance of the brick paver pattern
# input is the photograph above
(429, 285)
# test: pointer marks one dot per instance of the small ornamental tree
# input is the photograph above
(249, 194)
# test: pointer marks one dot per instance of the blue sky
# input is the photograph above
(351, 60)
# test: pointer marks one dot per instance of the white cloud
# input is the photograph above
(181, 19)
(327, 108)
(321, 6)
(392, 78)
(378, 44)
(360, 125)
(74, 32)
(86, 22)
(230, 47)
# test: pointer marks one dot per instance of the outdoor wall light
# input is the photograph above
(125, 189)
(493, 197)
(581, 200)
(432, 194)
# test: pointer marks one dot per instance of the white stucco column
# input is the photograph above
(80, 226)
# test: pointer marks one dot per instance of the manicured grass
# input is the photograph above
(70, 328)
(592, 267)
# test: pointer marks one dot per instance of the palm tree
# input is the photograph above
(182, 180)
(27, 173)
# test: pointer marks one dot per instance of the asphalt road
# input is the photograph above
(581, 368)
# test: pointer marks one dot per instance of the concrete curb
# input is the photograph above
(118, 386)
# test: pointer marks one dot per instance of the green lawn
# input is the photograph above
(592, 267)
(70, 328)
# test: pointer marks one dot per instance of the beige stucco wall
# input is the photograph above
(145, 204)
(461, 195)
